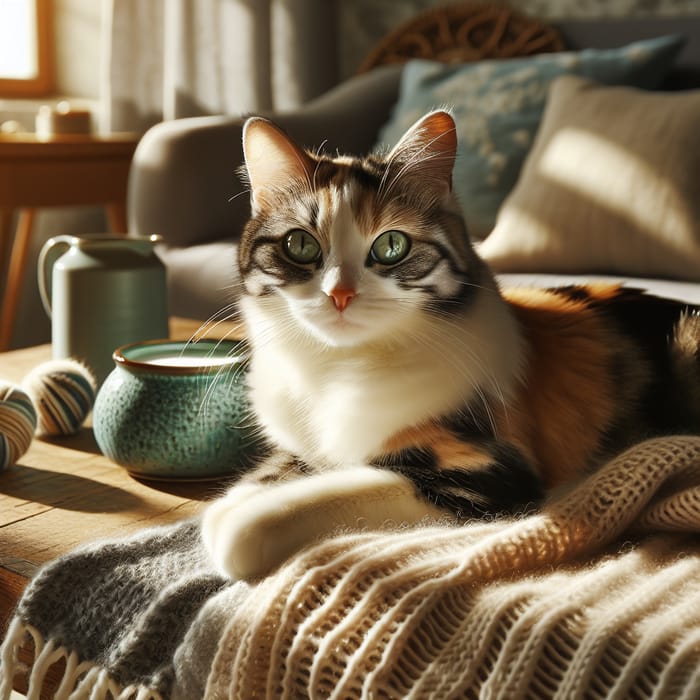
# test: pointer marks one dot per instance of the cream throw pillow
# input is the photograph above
(612, 185)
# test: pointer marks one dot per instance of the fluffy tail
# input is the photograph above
(685, 358)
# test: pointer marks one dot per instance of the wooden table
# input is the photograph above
(61, 171)
(64, 492)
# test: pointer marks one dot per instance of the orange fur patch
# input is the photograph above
(450, 451)
(566, 402)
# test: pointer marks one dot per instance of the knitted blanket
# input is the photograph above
(596, 596)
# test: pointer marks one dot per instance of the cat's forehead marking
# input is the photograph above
(344, 227)
(337, 207)
(365, 212)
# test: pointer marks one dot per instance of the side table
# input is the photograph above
(60, 171)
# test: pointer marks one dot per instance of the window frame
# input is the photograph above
(43, 82)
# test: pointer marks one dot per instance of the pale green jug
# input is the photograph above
(102, 291)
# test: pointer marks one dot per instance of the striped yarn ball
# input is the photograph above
(17, 423)
(63, 392)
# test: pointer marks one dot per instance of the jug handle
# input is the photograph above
(50, 252)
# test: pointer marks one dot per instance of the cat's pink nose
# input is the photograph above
(341, 297)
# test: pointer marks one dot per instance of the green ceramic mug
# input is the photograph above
(177, 410)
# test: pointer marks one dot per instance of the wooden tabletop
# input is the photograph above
(29, 145)
(63, 492)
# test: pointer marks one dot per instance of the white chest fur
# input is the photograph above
(338, 406)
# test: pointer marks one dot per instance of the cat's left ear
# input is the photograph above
(272, 160)
(427, 152)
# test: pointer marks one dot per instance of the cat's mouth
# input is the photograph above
(340, 328)
(343, 321)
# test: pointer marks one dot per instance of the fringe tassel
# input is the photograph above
(71, 675)
(44, 658)
(81, 680)
(11, 665)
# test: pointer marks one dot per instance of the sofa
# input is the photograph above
(184, 184)
(596, 595)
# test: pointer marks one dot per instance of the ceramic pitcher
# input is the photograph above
(102, 291)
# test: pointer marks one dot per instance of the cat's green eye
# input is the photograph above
(301, 247)
(390, 247)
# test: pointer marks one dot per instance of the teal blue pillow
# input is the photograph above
(497, 105)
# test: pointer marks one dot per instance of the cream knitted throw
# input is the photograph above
(597, 596)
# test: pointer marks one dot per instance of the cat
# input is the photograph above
(393, 379)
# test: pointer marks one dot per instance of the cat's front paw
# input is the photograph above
(255, 527)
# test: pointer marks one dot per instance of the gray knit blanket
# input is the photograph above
(596, 596)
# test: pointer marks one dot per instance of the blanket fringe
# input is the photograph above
(10, 665)
(81, 680)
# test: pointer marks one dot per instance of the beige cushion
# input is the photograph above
(612, 184)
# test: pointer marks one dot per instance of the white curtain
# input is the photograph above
(165, 59)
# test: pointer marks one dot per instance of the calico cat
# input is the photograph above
(393, 378)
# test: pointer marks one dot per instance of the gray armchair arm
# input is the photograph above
(183, 183)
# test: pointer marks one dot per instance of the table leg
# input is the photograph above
(15, 276)
(5, 220)
(116, 217)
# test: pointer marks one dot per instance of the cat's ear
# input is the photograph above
(426, 152)
(272, 160)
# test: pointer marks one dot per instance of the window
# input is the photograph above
(26, 48)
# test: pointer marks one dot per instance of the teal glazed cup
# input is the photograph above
(176, 410)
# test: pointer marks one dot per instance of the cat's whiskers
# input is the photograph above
(225, 372)
(431, 336)
(225, 314)
(282, 325)
(246, 191)
(475, 285)
(319, 152)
